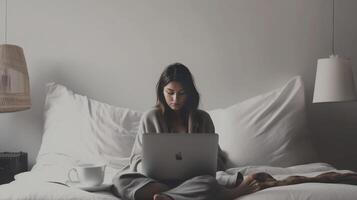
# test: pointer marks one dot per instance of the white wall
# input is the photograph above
(115, 50)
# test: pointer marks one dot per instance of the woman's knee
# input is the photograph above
(122, 185)
(205, 179)
(122, 180)
(117, 186)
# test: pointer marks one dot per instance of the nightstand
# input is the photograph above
(12, 163)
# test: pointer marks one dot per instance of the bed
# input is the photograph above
(266, 133)
(24, 188)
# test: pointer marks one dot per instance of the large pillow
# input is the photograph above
(79, 129)
(269, 129)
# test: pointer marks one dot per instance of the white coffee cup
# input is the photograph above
(88, 174)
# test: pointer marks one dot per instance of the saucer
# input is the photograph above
(89, 188)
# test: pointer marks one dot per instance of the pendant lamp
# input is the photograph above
(334, 78)
(14, 79)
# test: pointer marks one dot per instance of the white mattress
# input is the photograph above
(29, 187)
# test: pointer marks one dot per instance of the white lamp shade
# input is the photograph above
(14, 79)
(334, 80)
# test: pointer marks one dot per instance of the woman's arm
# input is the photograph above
(222, 159)
(136, 154)
(149, 123)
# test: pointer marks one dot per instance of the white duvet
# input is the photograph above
(33, 185)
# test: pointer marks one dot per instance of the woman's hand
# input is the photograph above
(247, 186)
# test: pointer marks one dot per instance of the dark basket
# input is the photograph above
(11, 163)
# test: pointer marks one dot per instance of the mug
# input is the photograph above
(88, 174)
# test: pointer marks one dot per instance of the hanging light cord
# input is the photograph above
(5, 21)
(333, 27)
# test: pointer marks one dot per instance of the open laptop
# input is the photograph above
(179, 156)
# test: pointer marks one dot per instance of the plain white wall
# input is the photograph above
(115, 50)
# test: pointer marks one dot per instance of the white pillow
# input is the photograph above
(80, 129)
(268, 129)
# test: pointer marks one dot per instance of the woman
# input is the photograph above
(177, 112)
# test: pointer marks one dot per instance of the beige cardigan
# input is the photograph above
(152, 121)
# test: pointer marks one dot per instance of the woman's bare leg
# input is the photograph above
(148, 191)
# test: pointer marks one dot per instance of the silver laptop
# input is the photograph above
(179, 156)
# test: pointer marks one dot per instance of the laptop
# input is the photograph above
(179, 156)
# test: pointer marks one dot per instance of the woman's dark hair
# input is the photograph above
(180, 73)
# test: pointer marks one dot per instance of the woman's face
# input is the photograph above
(175, 95)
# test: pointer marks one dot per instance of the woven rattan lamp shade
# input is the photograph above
(14, 79)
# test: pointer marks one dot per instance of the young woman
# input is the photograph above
(177, 112)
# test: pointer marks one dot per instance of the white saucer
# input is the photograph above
(89, 188)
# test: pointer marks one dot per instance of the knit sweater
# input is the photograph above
(153, 121)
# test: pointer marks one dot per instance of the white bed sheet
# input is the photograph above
(40, 190)
(28, 187)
